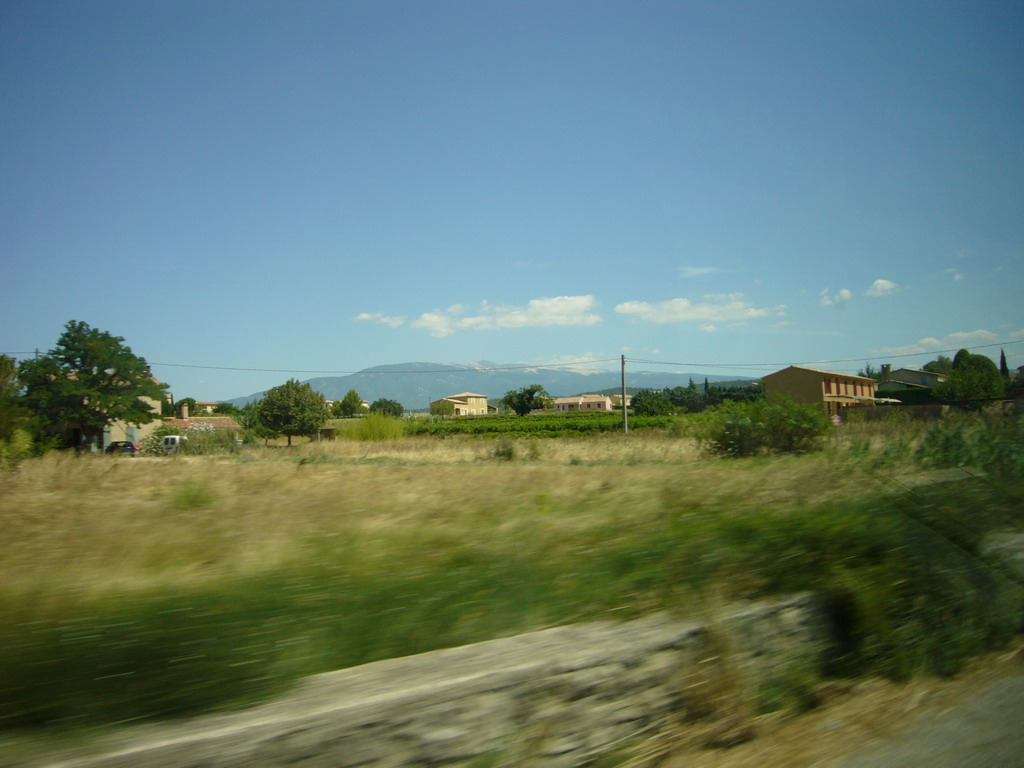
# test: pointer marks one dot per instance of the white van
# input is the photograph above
(172, 443)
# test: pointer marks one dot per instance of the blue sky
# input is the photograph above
(329, 186)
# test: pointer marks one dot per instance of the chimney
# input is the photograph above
(183, 410)
(886, 371)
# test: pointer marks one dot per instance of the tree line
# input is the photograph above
(91, 379)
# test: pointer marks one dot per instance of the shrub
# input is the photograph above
(153, 443)
(18, 447)
(377, 426)
(203, 439)
(995, 445)
(775, 425)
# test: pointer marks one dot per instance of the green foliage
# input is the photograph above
(973, 380)
(377, 427)
(227, 409)
(442, 408)
(13, 413)
(89, 380)
(386, 407)
(153, 443)
(190, 402)
(775, 425)
(940, 365)
(537, 425)
(292, 409)
(349, 406)
(995, 445)
(907, 598)
(248, 418)
(204, 440)
(15, 447)
(525, 399)
(869, 371)
(649, 403)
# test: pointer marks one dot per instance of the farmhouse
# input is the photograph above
(583, 403)
(832, 390)
(466, 404)
(908, 378)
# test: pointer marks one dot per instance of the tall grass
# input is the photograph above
(149, 588)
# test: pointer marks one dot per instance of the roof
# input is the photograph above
(820, 371)
(463, 395)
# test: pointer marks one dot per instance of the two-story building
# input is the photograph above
(467, 404)
(830, 389)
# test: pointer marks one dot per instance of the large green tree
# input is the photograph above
(442, 408)
(88, 381)
(941, 364)
(350, 405)
(292, 409)
(387, 407)
(649, 403)
(972, 380)
(525, 399)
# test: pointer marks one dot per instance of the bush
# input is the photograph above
(18, 447)
(153, 443)
(995, 445)
(205, 440)
(377, 426)
(775, 425)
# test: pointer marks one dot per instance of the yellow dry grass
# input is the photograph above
(84, 525)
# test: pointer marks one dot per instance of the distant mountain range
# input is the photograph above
(414, 385)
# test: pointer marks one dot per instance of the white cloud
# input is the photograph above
(538, 313)
(376, 317)
(842, 296)
(954, 341)
(714, 309)
(882, 288)
(956, 273)
(708, 327)
(438, 323)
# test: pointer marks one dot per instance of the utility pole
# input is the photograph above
(625, 409)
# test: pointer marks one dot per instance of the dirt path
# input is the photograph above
(975, 720)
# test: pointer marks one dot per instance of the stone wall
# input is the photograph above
(558, 697)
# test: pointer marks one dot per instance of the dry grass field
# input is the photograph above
(139, 588)
(83, 526)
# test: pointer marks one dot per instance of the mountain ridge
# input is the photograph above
(415, 384)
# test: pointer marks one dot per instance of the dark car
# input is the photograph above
(123, 446)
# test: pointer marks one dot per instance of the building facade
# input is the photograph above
(583, 403)
(831, 390)
(466, 403)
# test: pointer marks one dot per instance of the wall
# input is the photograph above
(558, 697)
